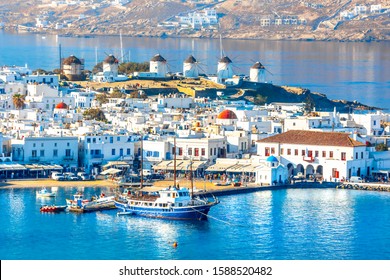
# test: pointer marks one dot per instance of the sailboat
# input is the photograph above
(173, 203)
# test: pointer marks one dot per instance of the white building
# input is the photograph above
(257, 73)
(51, 150)
(158, 65)
(376, 8)
(190, 68)
(97, 150)
(333, 156)
(225, 69)
(83, 99)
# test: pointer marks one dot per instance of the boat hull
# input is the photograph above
(197, 212)
(52, 209)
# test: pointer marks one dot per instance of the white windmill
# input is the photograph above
(158, 65)
(257, 73)
(190, 68)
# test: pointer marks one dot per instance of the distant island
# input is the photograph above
(236, 19)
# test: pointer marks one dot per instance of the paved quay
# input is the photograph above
(200, 186)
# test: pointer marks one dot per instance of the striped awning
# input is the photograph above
(220, 167)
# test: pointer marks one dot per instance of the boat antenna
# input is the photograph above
(142, 162)
(192, 179)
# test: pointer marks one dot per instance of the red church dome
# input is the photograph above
(61, 105)
(227, 115)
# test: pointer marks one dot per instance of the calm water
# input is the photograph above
(301, 224)
(352, 71)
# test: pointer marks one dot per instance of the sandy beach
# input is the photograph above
(200, 185)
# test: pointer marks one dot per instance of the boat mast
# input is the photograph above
(191, 178)
(142, 162)
(174, 161)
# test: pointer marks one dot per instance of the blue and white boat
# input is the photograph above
(45, 193)
(171, 203)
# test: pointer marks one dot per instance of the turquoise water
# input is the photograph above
(294, 224)
(341, 70)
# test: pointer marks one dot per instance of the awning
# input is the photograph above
(117, 164)
(110, 171)
(163, 165)
(185, 165)
(181, 165)
(237, 168)
(16, 166)
(220, 167)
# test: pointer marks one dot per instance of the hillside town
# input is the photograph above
(51, 123)
(244, 19)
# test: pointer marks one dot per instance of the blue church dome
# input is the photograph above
(272, 159)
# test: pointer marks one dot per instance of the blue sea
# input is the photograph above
(290, 224)
(341, 70)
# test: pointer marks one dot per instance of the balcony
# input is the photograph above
(309, 159)
(100, 156)
(34, 158)
(68, 158)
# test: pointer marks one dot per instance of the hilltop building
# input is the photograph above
(72, 68)
(257, 73)
(190, 68)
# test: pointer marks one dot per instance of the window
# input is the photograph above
(281, 151)
(34, 153)
(113, 152)
(67, 152)
(120, 152)
(331, 154)
(55, 144)
(203, 152)
(288, 151)
(324, 154)
(190, 151)
(128, 152)
(93, 140)
(272, 151)
(356, 155)
(180, 151)
(68, 144)
(303, 152)
(310, 153)
(111, 139)
(196, 152)
(215, 151)
(118, 139)
(41, 144)
(211, 151)
(34, 145)
(296, 152)
(42, 153)
(267, 152)
(156, 154)
(316, 153)
(361, 155)
(343, 156)
(88, 140)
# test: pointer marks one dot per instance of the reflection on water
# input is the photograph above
(283, 224)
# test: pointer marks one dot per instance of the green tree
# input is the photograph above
(381, 147)
(94, 114)
(260, 99)
(309, 103)
(130, 67)
(98, 68)
(117, 94)
(18, 100)
(102, 98)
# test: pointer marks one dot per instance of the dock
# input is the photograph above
(381, 187)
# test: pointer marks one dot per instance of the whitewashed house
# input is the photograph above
(333, 156)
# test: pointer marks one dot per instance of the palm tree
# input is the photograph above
(18, 100)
